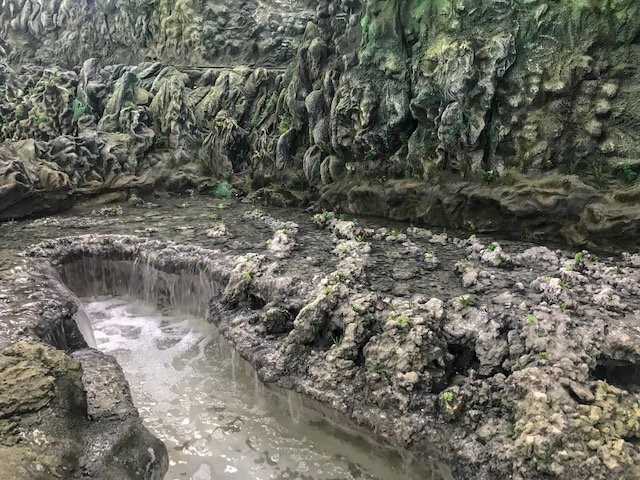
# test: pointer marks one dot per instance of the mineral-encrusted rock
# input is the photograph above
(57, 422)
(189, 32)
(529, 371)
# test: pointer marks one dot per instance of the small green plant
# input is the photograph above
(221, 189)
(628, 173)
(578, 257)
(43, 119)
(543, 356)
(78, 108)
(598, 172)
(491, 247)
(350, 168)
(562, 305)
(272, 104)
(161, 141)
(246, 275)
(228, 175)
(467, 301)
(394, 232)
(19, 111)
(447, 397)
(337, 341)
(488, 176)
(359, 238)
(356, 308)
(343, 247)
(563, 284)
(370, 155)
(326, 216)
(341, 277)
(379, 367)
(284, 124)
(531, 319)
(329, 289)
(429, 255)
(403, 320)
(546, 459)
(298, 180)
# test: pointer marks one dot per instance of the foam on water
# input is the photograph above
(217, 420)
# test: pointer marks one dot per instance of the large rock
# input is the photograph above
(57, 421)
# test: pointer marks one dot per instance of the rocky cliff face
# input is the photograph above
(517, 115)
(186, 32)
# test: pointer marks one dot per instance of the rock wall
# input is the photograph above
(511, 116)
(186, 32)
(480, 101)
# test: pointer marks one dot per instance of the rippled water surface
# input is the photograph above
(217, 420)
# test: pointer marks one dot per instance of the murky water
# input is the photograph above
(217, 420)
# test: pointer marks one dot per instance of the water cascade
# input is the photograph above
(198, 396)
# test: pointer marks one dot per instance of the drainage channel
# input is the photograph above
(216, 419)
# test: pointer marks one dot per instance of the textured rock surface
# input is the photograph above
(500, 359)
(508, 115)
(50, 429)
(514, 116)
(185, 32)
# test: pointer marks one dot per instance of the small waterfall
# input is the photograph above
(84, 325)
(184, 355)
(294, 402)
(80, 317)
(188, 291)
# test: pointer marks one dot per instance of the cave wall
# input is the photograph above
(487, 115)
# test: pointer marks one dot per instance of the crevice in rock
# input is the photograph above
(256, 302)
(620, 373)
(464, 358)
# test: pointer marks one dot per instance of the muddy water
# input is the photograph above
(216, 419)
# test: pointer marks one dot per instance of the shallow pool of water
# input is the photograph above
(215, 417)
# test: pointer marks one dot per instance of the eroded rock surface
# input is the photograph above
(516, 117)
(500, 359)
(489, 116)
(50, 429)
